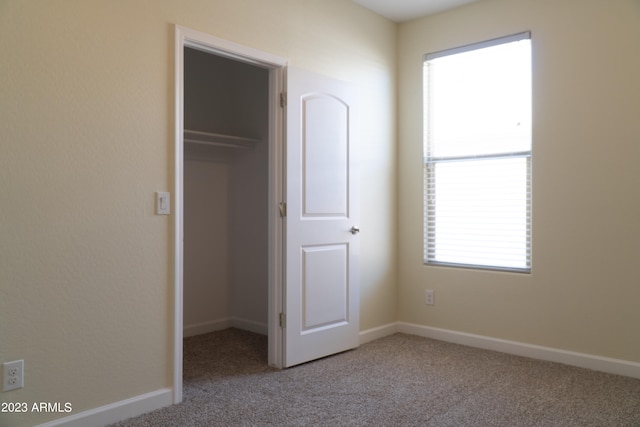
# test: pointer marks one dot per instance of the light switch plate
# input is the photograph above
(163, 203)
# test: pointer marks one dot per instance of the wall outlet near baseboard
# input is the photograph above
(429, 297)
(12, 375)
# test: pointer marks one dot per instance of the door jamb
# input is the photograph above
(185, 37)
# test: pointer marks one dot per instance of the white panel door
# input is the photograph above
(321, 290)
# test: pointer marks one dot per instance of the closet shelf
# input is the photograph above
(217, 139)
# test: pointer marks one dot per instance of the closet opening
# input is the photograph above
(226, 178)
(229, 182)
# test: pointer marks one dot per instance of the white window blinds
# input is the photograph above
(477, 161)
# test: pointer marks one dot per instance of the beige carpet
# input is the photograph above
(400, 380)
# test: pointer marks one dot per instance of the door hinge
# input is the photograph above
(282, 320)
(283, 209)
(283, 99)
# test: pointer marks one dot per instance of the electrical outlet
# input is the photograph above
(429, 297)
(12, 375)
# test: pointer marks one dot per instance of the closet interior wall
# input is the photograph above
(225, 194)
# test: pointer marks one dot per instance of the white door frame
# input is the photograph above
(277, 75)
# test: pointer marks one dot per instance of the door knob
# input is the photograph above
(354, 230)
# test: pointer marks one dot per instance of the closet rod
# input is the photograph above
(217, 139)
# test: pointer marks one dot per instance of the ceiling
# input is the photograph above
(405, 10)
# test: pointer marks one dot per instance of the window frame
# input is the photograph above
(430, 162)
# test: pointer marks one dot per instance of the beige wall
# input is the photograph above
(584, 289)
(86, 107)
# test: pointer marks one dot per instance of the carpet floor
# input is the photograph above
(399, 380)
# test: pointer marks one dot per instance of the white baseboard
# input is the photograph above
(206, 327)
(117, 411)
(379, 332)
(582, 360)
(250, 325)
(221, 324)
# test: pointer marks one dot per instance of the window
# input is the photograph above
(477, 155)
